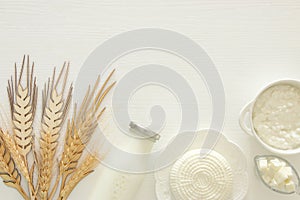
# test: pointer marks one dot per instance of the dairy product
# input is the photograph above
(276, 117)
(193, 177)
(117, 185)
(278, 174)
(263, 165)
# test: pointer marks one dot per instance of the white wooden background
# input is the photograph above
(251, 43)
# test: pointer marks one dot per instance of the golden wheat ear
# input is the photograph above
(23, 98)
(22, 94)
(8, 171)
(80, 130)
(87, 167)
(78, 135)
(55, 107)
(90, 110)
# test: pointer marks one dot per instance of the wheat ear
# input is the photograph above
(18, 159)
(73, 150)
(87, 167)
(77, 136)
(23, 105)
(90, 112)
(8, 171)
(54, 111)
(23, 100)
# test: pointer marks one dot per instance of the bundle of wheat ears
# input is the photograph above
(34, 167)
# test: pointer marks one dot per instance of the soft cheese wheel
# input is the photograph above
(208, 178)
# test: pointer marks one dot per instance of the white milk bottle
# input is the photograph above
(116, 185)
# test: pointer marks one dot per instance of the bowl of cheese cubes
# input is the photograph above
(277, 174)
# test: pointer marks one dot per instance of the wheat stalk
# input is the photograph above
(8, 171)
(54, 112)
(87, 167)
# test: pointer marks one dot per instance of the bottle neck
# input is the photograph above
(144, 133)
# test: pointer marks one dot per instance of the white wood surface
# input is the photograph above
(251, 43)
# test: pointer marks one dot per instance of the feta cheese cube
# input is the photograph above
(288, 171)
(267, 178)
(269, 173)
(281, 186)
(275, 164)
(263, 165)
(290, 186)
(283, 164)
(273, 183)
(277, 174)
(281, 176)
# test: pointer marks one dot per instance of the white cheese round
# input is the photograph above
(276, 117)
(208, 178)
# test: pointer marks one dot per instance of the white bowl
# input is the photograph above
(246, 118)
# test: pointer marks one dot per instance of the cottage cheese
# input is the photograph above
(276, 117)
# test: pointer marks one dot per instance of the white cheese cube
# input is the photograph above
(282, 186)
(288, 171)
(269, 173)
(263, 165)
(290, 186)
(273, 183)
(281, 176)
(267, 178)
(283, 164)
(275, 164)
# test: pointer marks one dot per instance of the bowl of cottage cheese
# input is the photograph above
(273, 118)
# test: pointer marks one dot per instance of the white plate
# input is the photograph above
(231, 152)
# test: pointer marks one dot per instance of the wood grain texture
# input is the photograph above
(250, 42)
